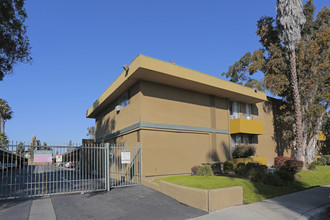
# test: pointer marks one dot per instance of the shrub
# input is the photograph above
(252, 165)
(241, 170)
(322, 160)
(204, 170)
(293, 166)
(228, 166)
(317, 163)
(216, 168)
(272, 179)
(194, 170)
(328, 160)
(243, 151)
(256, 174)
(311, 166)
(279, 161)
(285, 176)
(241, 165)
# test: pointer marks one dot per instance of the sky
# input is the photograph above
(80, 46)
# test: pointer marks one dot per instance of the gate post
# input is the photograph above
(107, 164)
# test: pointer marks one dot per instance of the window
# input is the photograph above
(240, 110)
(234, 110)
(243, 139)
(123, 100)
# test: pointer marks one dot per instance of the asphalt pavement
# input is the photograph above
(140, 202)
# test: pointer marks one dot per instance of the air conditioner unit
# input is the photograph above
(118, 108)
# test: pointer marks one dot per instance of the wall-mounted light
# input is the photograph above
(118, 108)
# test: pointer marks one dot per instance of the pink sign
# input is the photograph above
(42, 156)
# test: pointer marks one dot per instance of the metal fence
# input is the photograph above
(125, 165)
(31, 171)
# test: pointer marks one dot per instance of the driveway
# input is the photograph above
(138, 202)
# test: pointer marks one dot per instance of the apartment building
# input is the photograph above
(182, 117)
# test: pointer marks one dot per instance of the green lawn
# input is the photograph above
(253, 192)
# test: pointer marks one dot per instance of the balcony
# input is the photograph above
(321, 136)
(246, 126)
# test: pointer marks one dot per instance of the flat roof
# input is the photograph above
(154, 70)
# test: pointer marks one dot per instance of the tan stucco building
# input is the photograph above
(182, 117)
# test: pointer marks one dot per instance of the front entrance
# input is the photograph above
(32, 171)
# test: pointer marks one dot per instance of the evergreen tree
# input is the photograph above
(311, 56)
(14, 43)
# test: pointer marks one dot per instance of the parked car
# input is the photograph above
(69, 165)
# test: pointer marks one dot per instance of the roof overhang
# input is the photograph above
(150, 69)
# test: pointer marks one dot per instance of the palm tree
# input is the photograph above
(290, 20)
(5, 114)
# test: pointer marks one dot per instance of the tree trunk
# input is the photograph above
(312, 144)
(3, 126)
(311, 148)
(298, 152)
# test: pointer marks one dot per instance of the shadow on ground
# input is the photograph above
(138, 202)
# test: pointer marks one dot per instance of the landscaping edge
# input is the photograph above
(206, 200)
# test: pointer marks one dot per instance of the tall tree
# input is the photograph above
(239, 73)
(312, 71)
(5, 114)
(14, 43)
(290, 19)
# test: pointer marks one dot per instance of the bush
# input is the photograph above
(328, 160)
(228, 166)
(241, 165)
(272, 179)
(286, 176)
(241, 170)
(256, 174)
(322, 160)
(252, 165)
(317, 163)
(204, 170)
(216, 168)
(243, 151)
(194, 170)
(311, 166)
(293, 166)
(279, 161)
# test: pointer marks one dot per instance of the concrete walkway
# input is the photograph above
(308, 204)
(42, 209)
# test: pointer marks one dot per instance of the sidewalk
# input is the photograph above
(308, 204)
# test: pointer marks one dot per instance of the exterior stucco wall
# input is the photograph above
(168, 152)
(169, 105)
(267, 145)
(109, 121)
